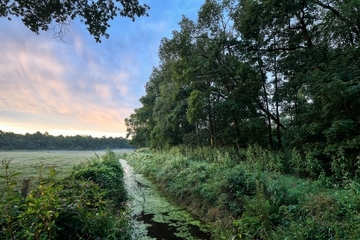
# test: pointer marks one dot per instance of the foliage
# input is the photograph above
(88, 204)
(106, 173)
(246, 202)
(45, 141)
(264, 160)
(96, 15)
(275, 74)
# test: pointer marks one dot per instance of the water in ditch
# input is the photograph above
(154, 217)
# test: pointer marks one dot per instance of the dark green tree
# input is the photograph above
(311, 49)
(282, 74)
(39, 15)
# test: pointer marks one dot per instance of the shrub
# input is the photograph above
(108, 174)
(88, 204)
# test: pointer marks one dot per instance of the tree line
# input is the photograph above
(278, 74)
(45, 141)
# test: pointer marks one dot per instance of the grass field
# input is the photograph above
(27, 163)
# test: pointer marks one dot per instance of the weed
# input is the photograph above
(86, 204)
(251, 197)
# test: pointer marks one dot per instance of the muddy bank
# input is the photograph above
(154, 216)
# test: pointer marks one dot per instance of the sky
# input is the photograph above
(78, 86)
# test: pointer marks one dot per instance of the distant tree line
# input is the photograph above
(45, 141)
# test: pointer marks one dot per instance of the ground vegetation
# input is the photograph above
(87, 203)
(256, 196)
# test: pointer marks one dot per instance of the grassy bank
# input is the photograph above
(87, 200)
(256, 194)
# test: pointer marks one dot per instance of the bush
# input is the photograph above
(88, 204)
(108, 174)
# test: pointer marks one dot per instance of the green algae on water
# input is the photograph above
(154, 216)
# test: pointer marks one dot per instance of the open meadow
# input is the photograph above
(26, 163)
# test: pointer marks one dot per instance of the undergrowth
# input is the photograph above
(88, 204)
(256, 194)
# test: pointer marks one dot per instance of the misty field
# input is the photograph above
(27, 163)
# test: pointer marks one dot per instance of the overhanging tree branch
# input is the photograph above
(269, 114)
(39, 15)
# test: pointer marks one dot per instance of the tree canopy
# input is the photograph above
(278, 74)
(39, 15)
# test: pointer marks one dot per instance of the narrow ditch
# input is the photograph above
(156, 218)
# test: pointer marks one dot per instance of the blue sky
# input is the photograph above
(80, 86)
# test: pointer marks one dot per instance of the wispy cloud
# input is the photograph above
(87, 94)
(81, 86)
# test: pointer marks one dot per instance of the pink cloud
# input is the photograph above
(103, 91)
(46, 85)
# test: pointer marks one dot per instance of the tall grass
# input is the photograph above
(255, 194)
(88, 203)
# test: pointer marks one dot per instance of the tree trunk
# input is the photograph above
(267, 104)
